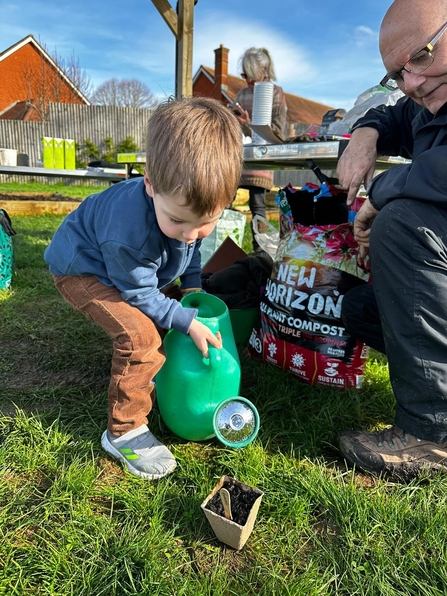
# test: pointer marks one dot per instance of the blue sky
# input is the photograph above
(324, 50)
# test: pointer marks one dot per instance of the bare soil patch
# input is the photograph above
(18, 196)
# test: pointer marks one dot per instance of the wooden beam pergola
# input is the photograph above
(181, 23)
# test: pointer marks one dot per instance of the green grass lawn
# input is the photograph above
(75, 191)
(73, 522)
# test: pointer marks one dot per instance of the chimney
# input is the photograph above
(220, 71)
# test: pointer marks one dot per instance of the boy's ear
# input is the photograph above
(148, 185)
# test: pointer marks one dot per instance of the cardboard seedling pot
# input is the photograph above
(244, 500)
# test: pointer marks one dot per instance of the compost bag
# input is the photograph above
(316, 263)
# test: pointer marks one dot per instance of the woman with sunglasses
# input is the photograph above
(256, 66)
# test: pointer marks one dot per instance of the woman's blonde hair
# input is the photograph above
(257, 64)
(194, 150)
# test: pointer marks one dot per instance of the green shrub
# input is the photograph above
(88, 151)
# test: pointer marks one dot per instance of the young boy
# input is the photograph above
(114, 255)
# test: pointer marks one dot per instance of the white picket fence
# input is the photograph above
(72, 121)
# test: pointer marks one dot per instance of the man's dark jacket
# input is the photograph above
(411, 131)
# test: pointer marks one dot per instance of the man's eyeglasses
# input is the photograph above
(416, 64)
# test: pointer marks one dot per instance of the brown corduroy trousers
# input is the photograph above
(137, 348)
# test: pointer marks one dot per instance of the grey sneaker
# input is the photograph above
(392, 452)
(142, 453)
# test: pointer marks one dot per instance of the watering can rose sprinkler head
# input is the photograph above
(236, 422)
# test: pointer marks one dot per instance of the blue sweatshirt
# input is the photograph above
(115, 237)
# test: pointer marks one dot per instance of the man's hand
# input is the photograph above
(362, 226)
(202, 336)
(358, 161)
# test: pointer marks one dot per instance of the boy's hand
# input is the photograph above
(186, 291)
(202, 336)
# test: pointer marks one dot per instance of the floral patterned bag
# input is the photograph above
(301, 330)
(6, 250)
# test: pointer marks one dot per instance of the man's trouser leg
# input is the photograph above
(361, 317)
(409, 271)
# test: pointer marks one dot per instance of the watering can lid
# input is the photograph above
(236, 422)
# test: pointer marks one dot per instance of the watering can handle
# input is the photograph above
(214, 356)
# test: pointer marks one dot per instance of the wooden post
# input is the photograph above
(168, 14)
(181, 23)
(183, 75)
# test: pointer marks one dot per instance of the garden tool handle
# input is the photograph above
(226, 502)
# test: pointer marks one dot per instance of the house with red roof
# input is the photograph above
(30, 80)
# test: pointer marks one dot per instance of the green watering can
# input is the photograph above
(198, 397)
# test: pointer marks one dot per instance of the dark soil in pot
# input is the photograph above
(242, 500)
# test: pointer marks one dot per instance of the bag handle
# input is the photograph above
(5, 222)
(319, 174)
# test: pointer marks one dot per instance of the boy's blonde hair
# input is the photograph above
(194, 150)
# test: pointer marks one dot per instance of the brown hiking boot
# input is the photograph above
(393, 452)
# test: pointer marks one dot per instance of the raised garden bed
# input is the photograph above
(37, 203)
